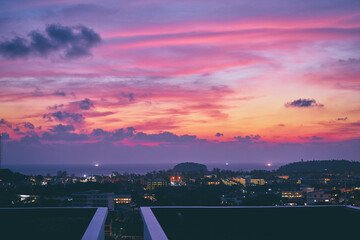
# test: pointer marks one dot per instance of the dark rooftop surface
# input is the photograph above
(47, 223)
(259, 223)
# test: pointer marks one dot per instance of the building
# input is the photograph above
(318, 197)
(285, 177)
(122, 199)
(53, 223)
(25, 198)
(108, 228)
(256, 181)
(156, 183)
(292, 194)
(151, 197)
(231, 200)
(306, 189)
(176, 181)
(209, 182)
(256, 223)
(247, 181)
(93, 198)
(292, 197)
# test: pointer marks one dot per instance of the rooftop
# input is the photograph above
(47, 223)
(255, 223)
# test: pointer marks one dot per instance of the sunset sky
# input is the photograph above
(152, 81)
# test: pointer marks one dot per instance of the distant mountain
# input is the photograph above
(190, 167)
(330, 166)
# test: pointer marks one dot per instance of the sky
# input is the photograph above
(155, 81)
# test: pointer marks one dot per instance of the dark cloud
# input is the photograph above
(315, 138)
(29, 125)
(56, 107)
(16, 129)
(64, 136)
(40, 44)
(6, 123)
(4, 136)
(248, 139)
(312, 138)
(62, 128)
(117, 135)
(303, 103)
(350, 61)
(342, 119)
(129, 96)
(71, 42)
(64, 116)
(33, 139)
(15, 48)
(354, 124)
(123, 133)
(86, 104)
(130, 133)
(219, 134)
(47, 117)
(100, 132)
(165, 137)
(59, 93)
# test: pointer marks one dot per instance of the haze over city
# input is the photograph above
(85, 82)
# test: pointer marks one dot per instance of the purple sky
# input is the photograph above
(153, 81)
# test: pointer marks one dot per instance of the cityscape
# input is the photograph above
(180, 120)
(304, 183)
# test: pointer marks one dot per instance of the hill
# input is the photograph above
(7, 175)
(329, 166)
(190, 167)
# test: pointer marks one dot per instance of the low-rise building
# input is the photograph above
(93, 198)
(155, 183)
(28, 198)
(306, 189)
(318, 197)
(176, 181)
(292, 194)
(151, 197)
(247, 181)
(230, 200)
(292, 197)
(122, 199)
